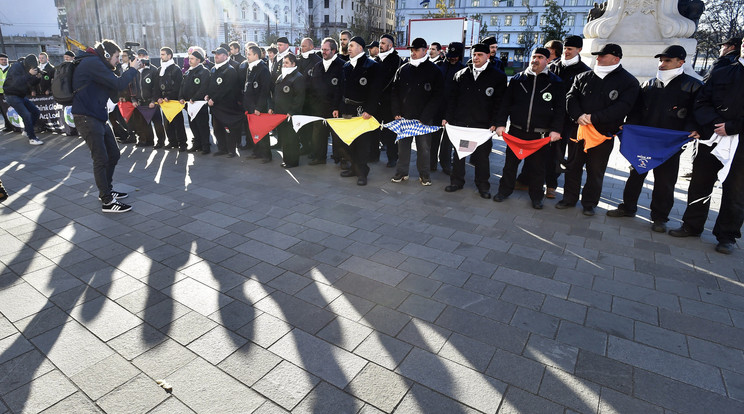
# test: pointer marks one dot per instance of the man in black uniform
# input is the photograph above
(493, 47)
(131, 127)
(282, 46)
(417, 94)
(288, 98)
(729, 54)
(169, 82)
(666, 101)
(256, 93)
(306, 61)
(224, 96)
(373, 49)
(325, 87)
(535, 104)
(556, 50)
(194, 88)
(148, 92)
(47, 74)
(389, 63)
(435, 55)
(360, 97)
(441, 147)
(718, 109)
(474, 99)
(602, 98)
(235, 53)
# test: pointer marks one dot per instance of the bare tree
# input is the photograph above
(528, 37)
(721, 20)
(556, 21)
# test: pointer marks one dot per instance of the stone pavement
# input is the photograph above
(244, 288)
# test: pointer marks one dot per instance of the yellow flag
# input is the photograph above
(171, 109)
(350, 129)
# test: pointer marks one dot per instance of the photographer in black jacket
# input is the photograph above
(20, 79)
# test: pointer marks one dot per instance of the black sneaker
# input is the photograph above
(119, 195)
(588, 211)
(725, 247)
(115, 206)
(620, 212)
(398, 178)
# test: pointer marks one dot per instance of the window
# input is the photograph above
(571, 20)
(475, 3)
(494, 20)
(520, 38)
(244, 13)
(523, 20)
(255, 35)
(452, 3)
(342, 18)
(509, 3)
(326, 3)
(326, 19)
(525, 3)
(543, 20)
(507, 20)
(255, 12)
(496, 3)
(342, 4)
(572, 2)
(505, 39)
(309, 4)
(286, 16)
(310, 20)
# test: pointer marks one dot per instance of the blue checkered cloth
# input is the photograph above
(405, 128)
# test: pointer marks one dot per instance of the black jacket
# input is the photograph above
(474, 102)
(306, 66)
(418, 92)
(723, 61)
(276, 68)
(567, 75)
(449, 71)
(257, 89)
(388, 68)
(148, 85)
(45, 83)
(325, 88)
(361, 87)
(719, 100)
(238, 58)
(534, 103)
(18, 82)
(607, 100)
(669, 107)
(195, 84)
(224, 89)
(289, 94)
(170, 82)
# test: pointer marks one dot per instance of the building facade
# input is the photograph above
(509, 20)
(366, 18)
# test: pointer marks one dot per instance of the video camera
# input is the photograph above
(129, 51)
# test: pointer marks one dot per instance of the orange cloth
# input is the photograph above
(591, 136)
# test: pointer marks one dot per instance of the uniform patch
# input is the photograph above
(255, 85)
(148, 80)
(162, 87)
(310, 72)
(363, 81)
(427, 87)
(334, 81)
(285, 89)
(547, 97)
(197, 81)
(682, 113)
(489, 91)
(46, 77)
(614, 94)
(219, 81)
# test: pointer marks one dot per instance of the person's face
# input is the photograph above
(433, 52)
(270, 54)
(326, 51)
(65, 57)
(538, 62)
(419, 53)
(193, 62)
(252, 57)
(453, 60)
(385, 44)
(164, 56)
(281, 46)
(479, 59)
(374, 51)
(493, 48)
(43, 59)
(219, 57)
(607, 60)
(234, 50)
(114, 59)
(4, 61)
(306, 46)
(344, 40)
(667, 63)
(125, 58)
(286, 63)
(569, 52)
(724, 49)
(355, 49)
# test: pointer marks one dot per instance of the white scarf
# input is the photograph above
(529, 71)
(287, 71)
(165, 66)
(124, 67)
(327, 63)
(602, 71)
(253, 64)
(666, 76)
(216, 65)
(280, 56)
(306, 55)
(383, 55)
(43, 66)
(4, 67)
(741, 60)
(477, 71)
(570, 62)
(416, 62)
(434, 59)
(353, 60)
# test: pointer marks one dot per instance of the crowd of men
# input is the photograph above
(546, 103)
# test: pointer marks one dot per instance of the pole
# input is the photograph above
(175, 37)
(98, 19)
(2, 39)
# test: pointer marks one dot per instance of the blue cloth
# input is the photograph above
(647, 147)
(405, 128)
(95, 83)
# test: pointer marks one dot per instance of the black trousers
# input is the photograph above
(157, 123)
(595, 161)
(357, 152)
(103, 150)
(555, 152)
(226, 135)
(176, 131)
(319, 144)
(121, 131)
(479, 158)
(391, 147)
(200, 128)
(290, 143)
(704, 176)
(534, 164)
(442, 147)
(662, 197)
(141, 128)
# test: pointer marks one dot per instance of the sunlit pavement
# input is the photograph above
(235, 286)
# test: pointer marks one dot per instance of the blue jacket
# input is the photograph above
(95, 84)
(18, 81)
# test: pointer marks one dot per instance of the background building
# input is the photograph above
(366, 18)
(517, 24)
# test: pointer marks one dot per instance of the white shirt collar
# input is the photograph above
(216, 65)
(353, 60)
(383, 55)
(165, 66)
(570, 62)
(253, 64)
(603, 71)
(306, 55)
(416, 62)
(327, 63)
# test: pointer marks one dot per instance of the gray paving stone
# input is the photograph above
(610, 323)
(51, 280)
(197, 296)
(72, 348)
(664, 363)
(613, 402)
(424, 335)
(265, 330)
(590, 298)
(76, 403)
(380, 387)
(702, 328)
(47, 319)
(421, 400)
(326, 398)
(320, 358)
(372, 270)
(345, 333)
(163, 313)
(39, 394)
(453, 380)
(164, 359)
(412, 264)
(217, 344)
(516, 370)
(289, 283)
(249, 363)
(520, 264)
(434, 255)
(383, 350)
(704, 310)
(140, 394)
(564, 309)
(450, 276)
(734, 384)
(582, 337)
(495, 309)
(105, 318)
(661, 338)
(188, 327)
(234, 315)
(205, 388)
(20, 301)
(263, 252)
(6, 328)
(716, 355)
(637, 293)
(570, 391)
(459, 297)
(217, 277)
(23, 369)
(635, 310)
(422, 308)
(523, 297)
(483, 329)
(171, 406)
(605, 371)
(269, 407)
(517, 401)
(295, 311)
(551, 353)
(371, 290)
(104, 376)
(420, 285)
(286, 384)
(536, 322)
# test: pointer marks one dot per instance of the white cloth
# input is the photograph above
(383, 55)
(724, 151)
(569, 62)
(353, 60)
(306, 55)
(110, 106)
(327, 63)
(478, 71)
(288, 71)
(299, 121)
(3, 67)
(254, 64)
(466, 140)
(165, 66)
(216, 65)
(124, 67)
(43, 66)
(666, 76)
(416, 62)
(193, 108)
(741, 60)
(602, 71)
